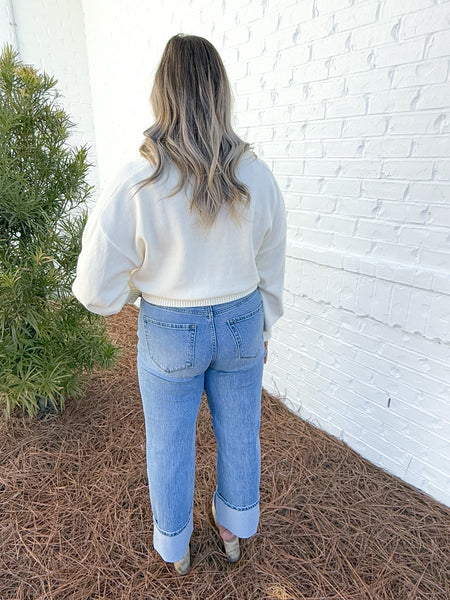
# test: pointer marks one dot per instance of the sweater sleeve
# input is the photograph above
(270, 262)
(110, 253)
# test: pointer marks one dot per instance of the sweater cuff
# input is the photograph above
(267, 334)
(133, 295)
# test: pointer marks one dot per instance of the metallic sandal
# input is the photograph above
(232, 549)
(183, 565)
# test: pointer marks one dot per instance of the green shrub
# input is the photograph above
(47, 338)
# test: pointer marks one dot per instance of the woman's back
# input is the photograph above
(175, 260)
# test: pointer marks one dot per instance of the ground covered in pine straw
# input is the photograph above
(75, 519)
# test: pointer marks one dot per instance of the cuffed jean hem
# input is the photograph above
(172, 546)
(242, 521)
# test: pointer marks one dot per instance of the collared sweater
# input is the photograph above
(147, 243)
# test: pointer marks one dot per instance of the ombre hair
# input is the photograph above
(191, 100)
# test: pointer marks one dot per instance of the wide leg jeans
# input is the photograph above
(182, 351)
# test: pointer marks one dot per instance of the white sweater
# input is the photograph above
(154, 244)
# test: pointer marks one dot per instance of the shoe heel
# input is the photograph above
(183, 565)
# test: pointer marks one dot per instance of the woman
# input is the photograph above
(197, 227)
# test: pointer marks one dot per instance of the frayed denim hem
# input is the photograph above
(242, 521)
(172, 547)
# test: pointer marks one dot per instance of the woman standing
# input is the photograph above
(197, 227)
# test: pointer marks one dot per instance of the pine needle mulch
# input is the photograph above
(75, 519)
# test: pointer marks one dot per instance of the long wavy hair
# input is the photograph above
(191, 101)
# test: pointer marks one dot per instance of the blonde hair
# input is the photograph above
(191, 100)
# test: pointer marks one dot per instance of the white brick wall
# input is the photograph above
(348, 102)
(364, 164)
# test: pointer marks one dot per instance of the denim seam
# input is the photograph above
(213, 335)
(239, 508)
(246, 316)
(166, 324)
(173, 533)
(238, 302)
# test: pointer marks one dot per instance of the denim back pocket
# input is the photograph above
(170, 345)
(247, 331)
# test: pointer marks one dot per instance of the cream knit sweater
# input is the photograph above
(154, 246)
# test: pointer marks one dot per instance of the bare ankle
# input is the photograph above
(226, 535)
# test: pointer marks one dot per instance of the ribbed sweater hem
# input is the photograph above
(198, 302)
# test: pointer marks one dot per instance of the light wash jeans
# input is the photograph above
(181, 352)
